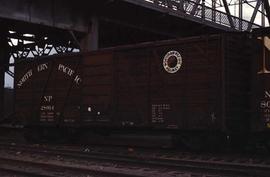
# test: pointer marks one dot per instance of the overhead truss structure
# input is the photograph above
(24, 45)
(75, 15)
(20, 44)
(218, 11)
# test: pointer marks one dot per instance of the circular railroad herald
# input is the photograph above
(172, 61)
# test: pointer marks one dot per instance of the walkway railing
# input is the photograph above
(205, 14)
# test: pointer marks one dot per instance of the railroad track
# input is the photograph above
(215, 166)
(43, 169)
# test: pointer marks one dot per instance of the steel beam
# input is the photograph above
(195, 7)
(203, 9)
(180, 6)
(240, 14)
(90, 41)
(228, 13)
(152, 6)
(214, 4)
(267, 9)
(254, 14)
(263, 17)
(169, 3)
(54, 13)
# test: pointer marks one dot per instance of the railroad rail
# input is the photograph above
(199, 13)
(27, 167)
(187, 162)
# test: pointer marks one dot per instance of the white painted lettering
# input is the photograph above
(60, 67)
(66, 69)
(266, 94)
(48, 98)
(70, 72)
(26, 76)
(47, 108)
(265, 104)
(78, 80)
(42, 67)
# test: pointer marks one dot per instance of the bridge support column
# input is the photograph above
(3, 61)
(90, 40)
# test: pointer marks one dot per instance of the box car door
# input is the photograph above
(186, 84)
(167, 87)
(48, 90)
(132, 87)
(64, 86)
(97, 90)
(24, 92)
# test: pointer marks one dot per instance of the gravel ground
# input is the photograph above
(98, 165)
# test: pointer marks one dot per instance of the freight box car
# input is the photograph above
(202, 86)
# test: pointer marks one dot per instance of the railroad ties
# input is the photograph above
(60, 160)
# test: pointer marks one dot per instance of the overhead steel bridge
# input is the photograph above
(75, 15)
(197, 11)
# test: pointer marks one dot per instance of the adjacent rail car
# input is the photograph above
(186, 86)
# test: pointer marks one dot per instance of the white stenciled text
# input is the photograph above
(25, 77)
(65, 69)
(42, 67)
(70, 72)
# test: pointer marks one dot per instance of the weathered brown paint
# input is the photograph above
(128, 86)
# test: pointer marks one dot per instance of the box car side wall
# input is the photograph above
(131, 88)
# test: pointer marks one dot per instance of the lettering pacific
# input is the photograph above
(69, 72)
